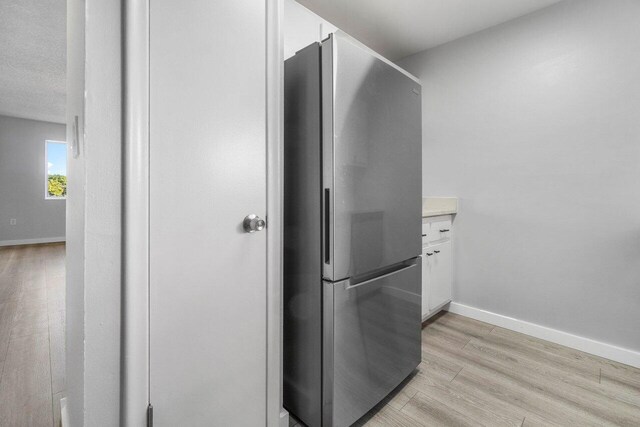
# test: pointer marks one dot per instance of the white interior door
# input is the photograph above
(207, 172)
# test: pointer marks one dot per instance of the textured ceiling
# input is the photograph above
(398, 28)
(33, 59)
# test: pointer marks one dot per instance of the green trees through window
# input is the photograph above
(56, 159)
(57, 186)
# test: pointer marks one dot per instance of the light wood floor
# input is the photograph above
(32, 319)
(471, 372)
(475, 374)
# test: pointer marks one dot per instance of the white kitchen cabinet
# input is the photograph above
(427, 254)
(302, 27)
(436, 264)
(440, 280)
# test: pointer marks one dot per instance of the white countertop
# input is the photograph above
(434, 206)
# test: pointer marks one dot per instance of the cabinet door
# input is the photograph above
(440, 284)
(427, 258)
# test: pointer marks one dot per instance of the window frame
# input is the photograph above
(46, 169)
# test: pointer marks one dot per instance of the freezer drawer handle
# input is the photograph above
(381, 277)
(444, 230)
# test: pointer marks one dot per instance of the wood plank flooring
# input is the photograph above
(471, 372)
(475, 374)
(32, 322)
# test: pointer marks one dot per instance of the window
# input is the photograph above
(56, 167)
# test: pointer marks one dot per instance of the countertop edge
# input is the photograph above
(438, 213)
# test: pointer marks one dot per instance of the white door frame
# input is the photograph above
(134, 388)
(275, 192)
(135, 291)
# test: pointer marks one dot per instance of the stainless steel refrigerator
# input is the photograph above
(352, 230)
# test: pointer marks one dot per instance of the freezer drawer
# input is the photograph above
(371, 341)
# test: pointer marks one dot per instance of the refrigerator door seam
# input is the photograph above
(350, 286)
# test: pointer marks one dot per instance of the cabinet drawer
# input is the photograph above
(439, 230)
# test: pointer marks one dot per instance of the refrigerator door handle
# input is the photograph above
(327, 230)
(350, 286)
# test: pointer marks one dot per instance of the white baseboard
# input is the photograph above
(64, 413)
(32, 241)
(608, 351)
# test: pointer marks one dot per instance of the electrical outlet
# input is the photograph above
(12, 221)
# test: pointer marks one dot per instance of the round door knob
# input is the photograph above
(253, 223)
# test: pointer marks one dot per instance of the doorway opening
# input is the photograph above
(34, 156)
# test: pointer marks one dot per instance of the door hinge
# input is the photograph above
(150, 415)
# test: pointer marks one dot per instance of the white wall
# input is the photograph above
(94, 93)
(22, 182)
(535, 125)
(302, 27)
